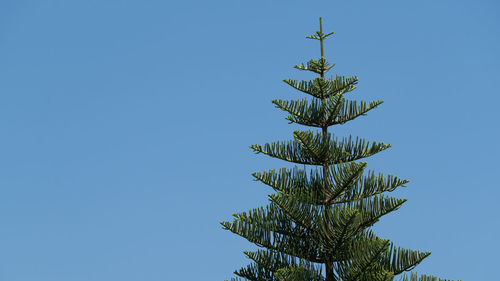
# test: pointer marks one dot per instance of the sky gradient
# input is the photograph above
(125, 128)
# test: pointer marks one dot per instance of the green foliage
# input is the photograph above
(297, 273)
(335, 110)
(314, 148)
(325, 88)
(317, 226)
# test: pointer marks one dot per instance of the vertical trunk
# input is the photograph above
(330, 275)
(329, 271)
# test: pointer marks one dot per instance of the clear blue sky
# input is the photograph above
(125, 128)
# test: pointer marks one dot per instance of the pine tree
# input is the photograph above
(318, 223)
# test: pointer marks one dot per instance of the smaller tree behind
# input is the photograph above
(317, 225)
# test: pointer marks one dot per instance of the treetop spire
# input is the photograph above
(321, 31)
(319, 35)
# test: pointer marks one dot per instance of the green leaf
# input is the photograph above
(315, 149)
(317, 66)
(324, 88)
(271, 228)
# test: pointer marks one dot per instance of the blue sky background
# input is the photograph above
(125, 128)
